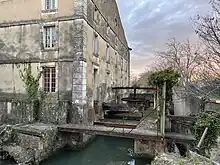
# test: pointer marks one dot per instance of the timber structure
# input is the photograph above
(124, 132)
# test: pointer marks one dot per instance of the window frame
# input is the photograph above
(49, 5)
(50, 80)
(49, 40)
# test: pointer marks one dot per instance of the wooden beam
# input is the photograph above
(122, 132)
(145, 88)
(108, 124)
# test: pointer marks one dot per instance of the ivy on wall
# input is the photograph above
(30, 81)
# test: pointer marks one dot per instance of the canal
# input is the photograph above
(102, 151)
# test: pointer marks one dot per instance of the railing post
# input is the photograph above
(158, 109)
(155, 99)
(163, 113)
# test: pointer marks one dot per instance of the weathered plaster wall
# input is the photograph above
(18, 43)
(21, 42)
(20, 10)
(11, 82)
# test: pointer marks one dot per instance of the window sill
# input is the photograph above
(96, 54)
(49, 49)
(48, 11)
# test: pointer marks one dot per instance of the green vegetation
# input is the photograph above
(169, 75)
(211, 120)
(30, 81)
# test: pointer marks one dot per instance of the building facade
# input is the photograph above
(78, 45)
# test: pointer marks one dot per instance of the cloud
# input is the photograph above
(149, 24)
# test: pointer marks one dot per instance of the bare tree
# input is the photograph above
(184, 56)
(191, 61)
(208, 29)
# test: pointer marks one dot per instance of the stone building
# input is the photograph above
(79, 45)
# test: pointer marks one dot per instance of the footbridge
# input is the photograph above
(124, 132)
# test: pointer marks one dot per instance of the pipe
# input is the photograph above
(202, 138)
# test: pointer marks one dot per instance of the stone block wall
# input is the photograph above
(14, 112)
(44, 145)
(149, 148)
(55, 112)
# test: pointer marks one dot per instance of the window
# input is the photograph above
(95, 14)
(49, 79)
(49, 36)
(96, 45)
(50, 4)
(126, 66)
(116, 22)
(116, 58)
(108, 53)
(122, 63)
(108, 30)
(95, 81)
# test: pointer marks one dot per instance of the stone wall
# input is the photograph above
(16, 112)
(185, 105)
(56, 113)
(33, 143)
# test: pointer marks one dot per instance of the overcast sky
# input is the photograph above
(149, 24)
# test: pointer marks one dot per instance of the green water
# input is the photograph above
(102, 151)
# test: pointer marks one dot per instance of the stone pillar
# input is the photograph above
(149, 148)
(79, 90)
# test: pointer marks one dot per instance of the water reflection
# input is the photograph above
(103, 151)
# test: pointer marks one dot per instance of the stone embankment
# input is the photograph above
(29, 144)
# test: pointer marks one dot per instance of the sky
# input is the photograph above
(149, 24)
